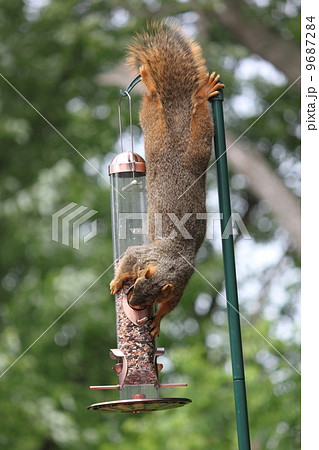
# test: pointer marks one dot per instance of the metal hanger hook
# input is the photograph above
(125, 93)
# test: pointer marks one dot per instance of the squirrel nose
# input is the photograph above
(129, 294)
(138, 308)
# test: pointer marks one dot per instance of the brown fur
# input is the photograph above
(178, 132)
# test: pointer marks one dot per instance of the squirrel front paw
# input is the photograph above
(166, 304)
(115, 286)
(118, 281)
(155, 327)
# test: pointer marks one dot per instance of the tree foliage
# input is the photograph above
(58, 130)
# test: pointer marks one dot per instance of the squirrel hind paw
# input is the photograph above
(209, 89)
(213, 85)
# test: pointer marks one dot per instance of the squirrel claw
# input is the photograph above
(155, 332)
(155, 328)
(117, 283)
(114, 287)
(214, 93)
(214, 85)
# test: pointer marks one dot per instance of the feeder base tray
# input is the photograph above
(139, 405)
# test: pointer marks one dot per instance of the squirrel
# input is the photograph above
(178, 134)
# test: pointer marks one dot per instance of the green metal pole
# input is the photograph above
(230, 276)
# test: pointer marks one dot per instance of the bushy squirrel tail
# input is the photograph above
(172, 63)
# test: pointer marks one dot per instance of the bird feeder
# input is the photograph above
(136, 354)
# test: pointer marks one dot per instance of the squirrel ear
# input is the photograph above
(150, 271)
(167, 289)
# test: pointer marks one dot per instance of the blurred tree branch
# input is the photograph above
(260, 39)
(265, 184)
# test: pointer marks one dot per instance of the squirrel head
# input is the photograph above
(149, 288)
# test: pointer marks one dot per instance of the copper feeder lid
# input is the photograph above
(127, 162)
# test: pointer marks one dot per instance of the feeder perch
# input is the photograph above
(136, 354)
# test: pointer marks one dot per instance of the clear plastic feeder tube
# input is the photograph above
(129, 203)
(136, 353)
(129, 226)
